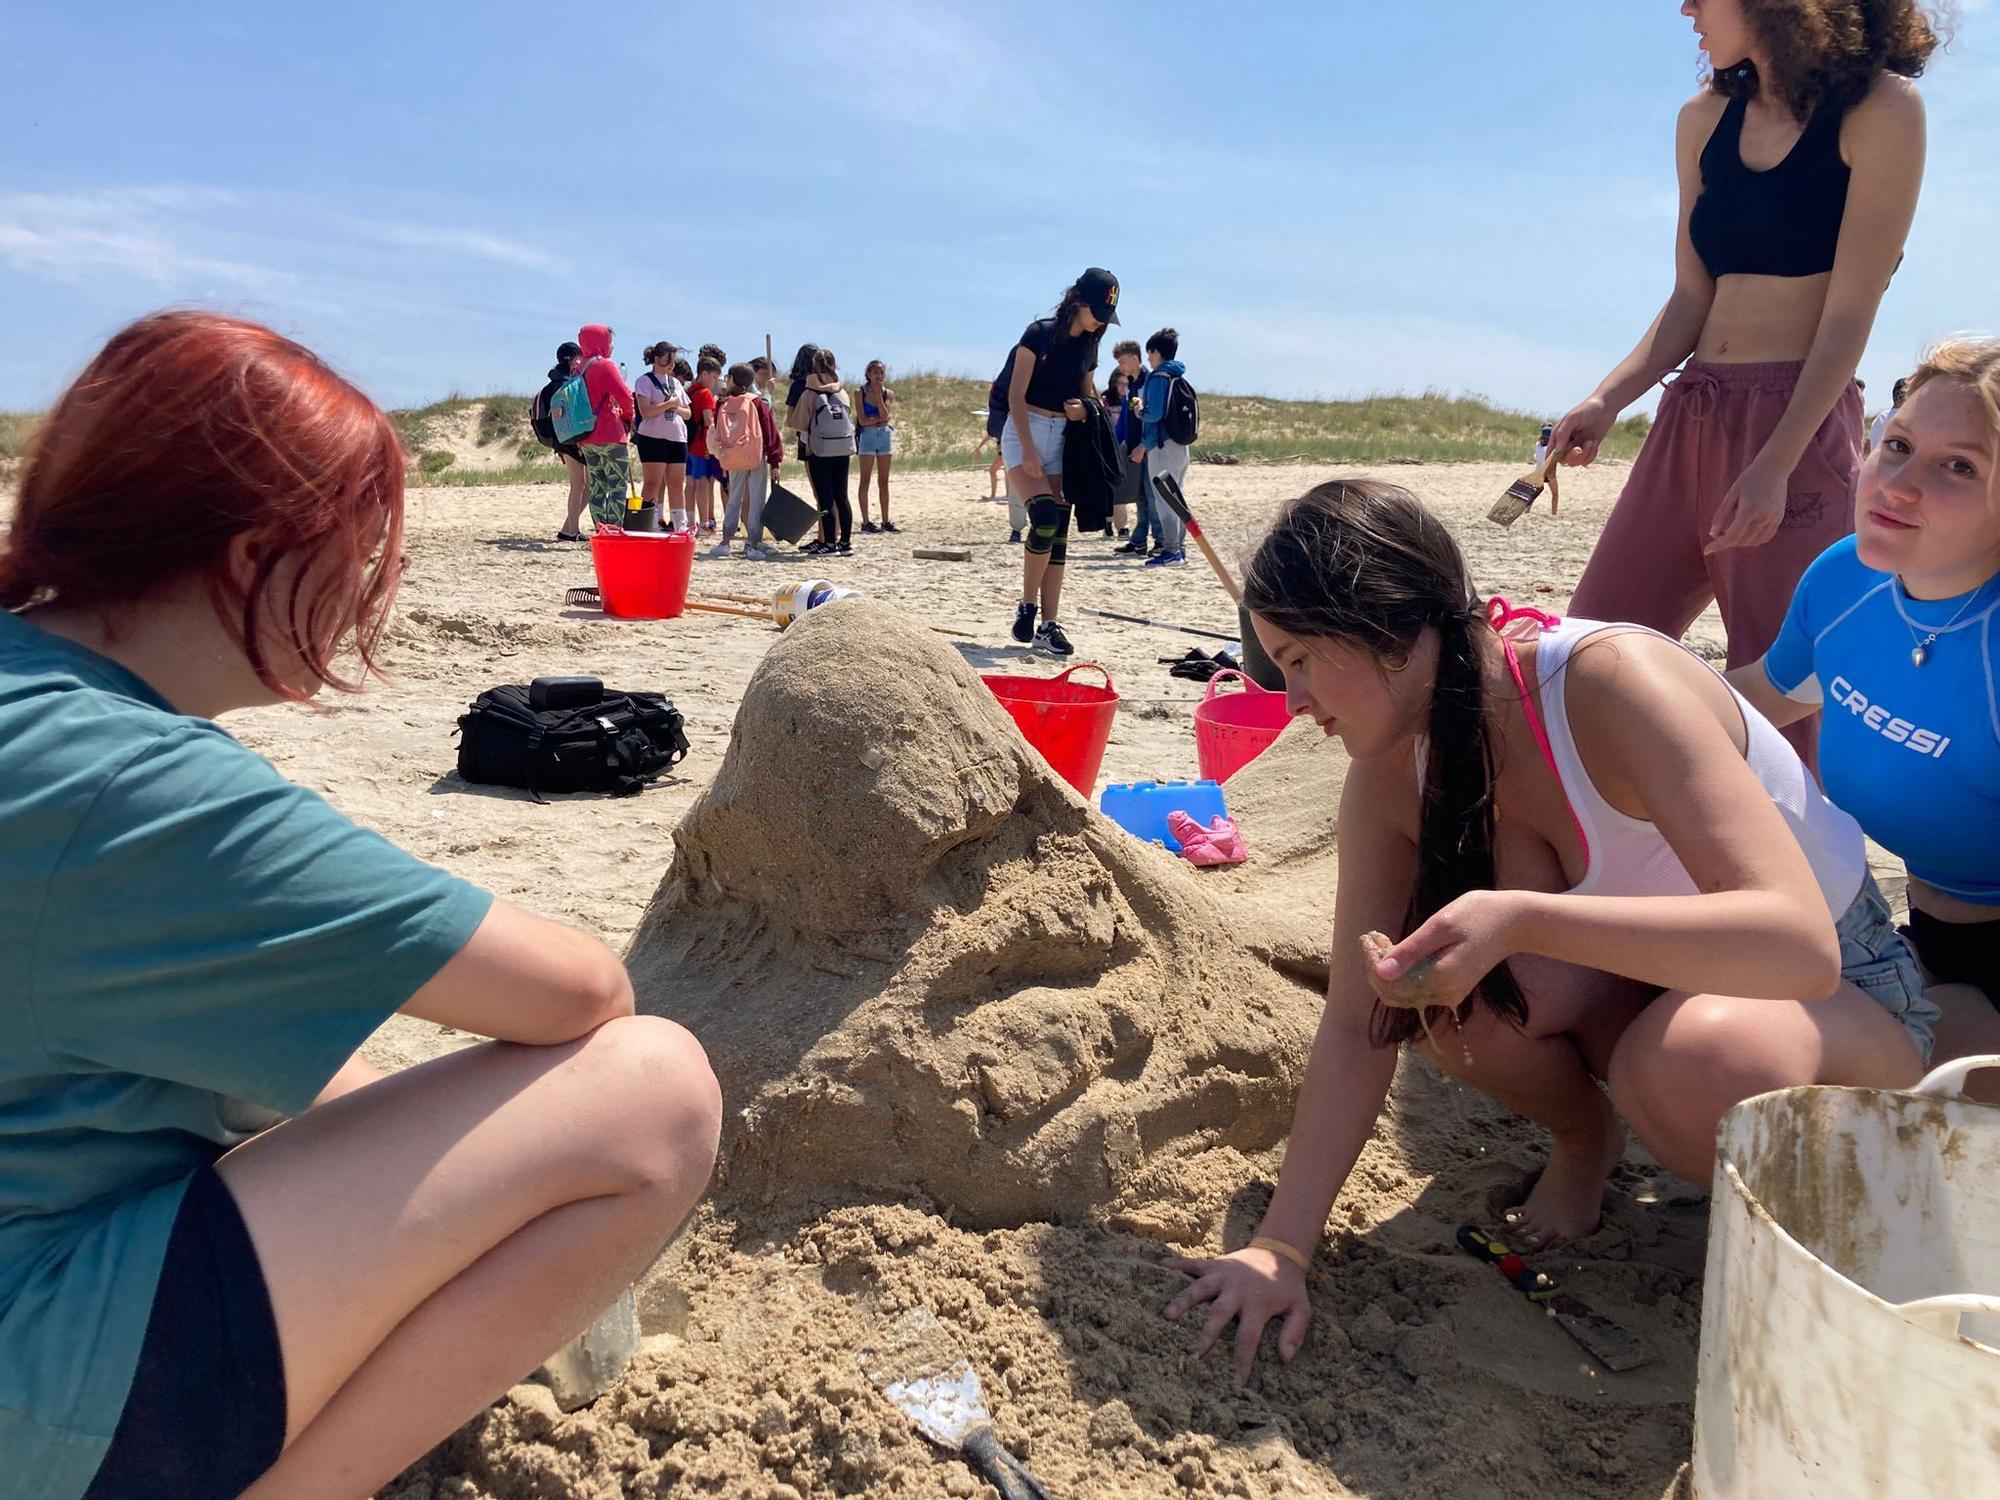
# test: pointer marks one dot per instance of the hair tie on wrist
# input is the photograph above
(1291, 1253)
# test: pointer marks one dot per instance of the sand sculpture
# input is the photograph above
(922, 964)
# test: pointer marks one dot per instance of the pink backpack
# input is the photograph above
(737, 439)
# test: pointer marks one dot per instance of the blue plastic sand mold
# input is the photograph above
(1141, 807)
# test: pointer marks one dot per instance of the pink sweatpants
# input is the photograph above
(1649, 568)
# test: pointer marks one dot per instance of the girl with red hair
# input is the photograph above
(232, 1257)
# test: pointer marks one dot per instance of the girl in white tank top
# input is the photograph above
(1591, 968)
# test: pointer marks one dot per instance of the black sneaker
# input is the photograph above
(869, 527)
(1051, 639)
(1129, 547)
(1024, 622)
(1014, 537)
(891, 527)
(845, 549)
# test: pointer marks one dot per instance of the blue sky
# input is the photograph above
(1325, 198)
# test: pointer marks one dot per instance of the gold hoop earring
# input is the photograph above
(1397, 665)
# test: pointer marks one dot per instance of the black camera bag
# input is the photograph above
(617, 744)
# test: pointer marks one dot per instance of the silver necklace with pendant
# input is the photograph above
(1921, 652)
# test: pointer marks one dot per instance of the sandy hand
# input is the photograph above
(1411, 991)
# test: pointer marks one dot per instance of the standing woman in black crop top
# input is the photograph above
(1051, 374)
(1799, 165)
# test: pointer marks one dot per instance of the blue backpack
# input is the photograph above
(569, 408)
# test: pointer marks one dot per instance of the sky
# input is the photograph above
(1326, 198)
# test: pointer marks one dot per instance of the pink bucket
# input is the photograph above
(1233, 730)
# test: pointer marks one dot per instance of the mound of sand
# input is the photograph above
(922, 964)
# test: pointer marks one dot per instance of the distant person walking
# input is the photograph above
(661, 436)
(1164, 455)
(607, 458)
(568, 357)
(1800, 163)
(1054, 373)
(824, 418)
(875, 438)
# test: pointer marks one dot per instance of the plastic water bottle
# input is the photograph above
(1542, 446)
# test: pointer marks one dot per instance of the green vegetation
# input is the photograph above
(16, 427)
(936, 428)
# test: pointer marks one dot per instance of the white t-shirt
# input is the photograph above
(661, 388)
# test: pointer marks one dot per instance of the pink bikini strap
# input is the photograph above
(1500, 614)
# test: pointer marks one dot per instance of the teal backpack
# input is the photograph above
(569, 408)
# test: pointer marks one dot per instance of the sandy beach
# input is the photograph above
(1425, 1375)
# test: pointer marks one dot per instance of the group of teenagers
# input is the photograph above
(235, 1259)
(712, 431)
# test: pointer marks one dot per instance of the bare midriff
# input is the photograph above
(1935, 903)
(1758, 320)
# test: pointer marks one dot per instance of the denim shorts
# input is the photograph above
(1048, 435)
(875, 442)
(1878, 960)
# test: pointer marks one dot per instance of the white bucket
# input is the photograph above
(1850, 1327)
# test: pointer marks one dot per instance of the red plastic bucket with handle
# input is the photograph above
(1069, 722)
(643, 575)
(1233, 730)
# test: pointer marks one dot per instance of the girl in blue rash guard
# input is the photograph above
(1895, 633)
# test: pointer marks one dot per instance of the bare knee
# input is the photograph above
(657, 1108)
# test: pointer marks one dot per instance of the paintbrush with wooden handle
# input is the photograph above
(1524, 491)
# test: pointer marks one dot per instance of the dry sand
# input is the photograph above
(1425, 1375)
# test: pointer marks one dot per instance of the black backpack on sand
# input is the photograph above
(576, 738)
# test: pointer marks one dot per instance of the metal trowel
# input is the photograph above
(916, 1364)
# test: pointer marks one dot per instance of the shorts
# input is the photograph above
(206, 1412)
(1048, 435)
(875, 442)
(569, 450)
(654, 450)
(1878, 960)
(1959, 952)
(705, 466)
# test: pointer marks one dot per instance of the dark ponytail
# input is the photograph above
(1364, 562)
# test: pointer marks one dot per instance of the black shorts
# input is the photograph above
(1958, 952)
(569, 450)
(206, 1414)
(654, 450)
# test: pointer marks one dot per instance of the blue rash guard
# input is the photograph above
(1912, 752)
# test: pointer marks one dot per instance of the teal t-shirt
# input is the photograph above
(190, 946)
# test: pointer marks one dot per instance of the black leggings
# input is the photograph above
(829, 487)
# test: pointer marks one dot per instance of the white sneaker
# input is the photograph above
(756, 554)
(720, 549)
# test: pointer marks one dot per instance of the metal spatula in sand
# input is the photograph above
(916, 1364)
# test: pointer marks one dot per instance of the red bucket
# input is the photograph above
(643, 575)
(1069, 722)
(1232, 731)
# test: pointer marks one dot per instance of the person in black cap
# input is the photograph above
(569, 355)
(1053, 375)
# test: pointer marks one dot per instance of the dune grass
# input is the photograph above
(937, 428)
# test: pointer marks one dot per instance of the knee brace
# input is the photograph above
(1046, 516)
(1059, 554)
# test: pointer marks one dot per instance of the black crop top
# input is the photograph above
(1062, 363)
(1782, 222)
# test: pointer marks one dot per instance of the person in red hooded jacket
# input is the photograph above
(607, 458)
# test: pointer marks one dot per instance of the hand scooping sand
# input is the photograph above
(1415, 990)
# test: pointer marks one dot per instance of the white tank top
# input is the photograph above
(1627, 857)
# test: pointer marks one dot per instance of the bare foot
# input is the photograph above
(1568, 1201)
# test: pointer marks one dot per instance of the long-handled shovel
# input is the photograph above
(916, 1364)
(1169, 491)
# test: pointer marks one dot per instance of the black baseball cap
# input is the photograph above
(1098, 290)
